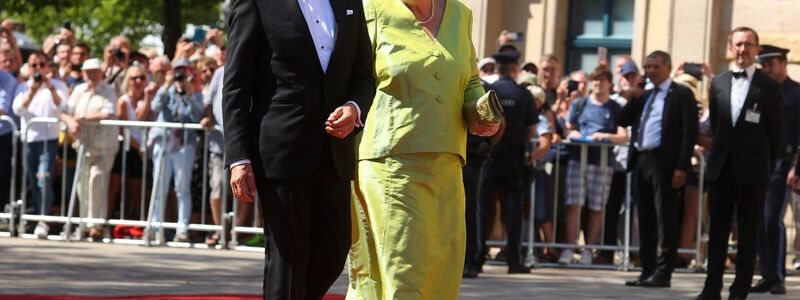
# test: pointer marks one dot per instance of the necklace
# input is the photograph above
(433, 13)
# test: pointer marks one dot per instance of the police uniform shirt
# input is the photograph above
(507, 157)
(791, 104)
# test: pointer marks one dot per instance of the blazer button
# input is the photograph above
(438, 98)
(438, 76)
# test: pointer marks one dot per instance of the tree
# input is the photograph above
(97, 21)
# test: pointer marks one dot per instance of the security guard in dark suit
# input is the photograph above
(504, 171)
(772, 244)
(477, 151)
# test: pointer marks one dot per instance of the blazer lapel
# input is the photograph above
(296, 17)
(667, 108)
(338, 14)
(725, 101)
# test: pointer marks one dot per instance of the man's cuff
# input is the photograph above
(359, 123)
(240, 162)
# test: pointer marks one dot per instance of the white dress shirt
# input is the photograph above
(739, 89)
(651, 130)
(322, 26)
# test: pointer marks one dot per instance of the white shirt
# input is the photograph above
(651, 133)
(322, 25)
(739, 89)
(42, 105)
(101, 140)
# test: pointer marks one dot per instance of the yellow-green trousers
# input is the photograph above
(409, 234)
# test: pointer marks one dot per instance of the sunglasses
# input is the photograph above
(42, 65)
(138, 78)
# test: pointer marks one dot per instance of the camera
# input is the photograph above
(693, 69)
(572, 86)
(515, 36)
(37, 77)
(76, 68)
(119, 54)
(180, 76)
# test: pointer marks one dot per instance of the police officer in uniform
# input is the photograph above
(772, 244)
(503, 172)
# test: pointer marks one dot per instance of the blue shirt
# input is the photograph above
(651, 130)
(173, 107)
(214, 100)
(7, 86)
(593, 118)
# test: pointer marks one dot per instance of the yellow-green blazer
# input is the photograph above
(422, 83)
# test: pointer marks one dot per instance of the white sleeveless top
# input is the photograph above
(136, 132)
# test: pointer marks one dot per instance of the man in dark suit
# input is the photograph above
(772, 244)
(746, 117)
(664, 130)
(299, 79)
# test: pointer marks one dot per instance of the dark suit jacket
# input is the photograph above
(753, 148)
(678, 128)
(276, 95)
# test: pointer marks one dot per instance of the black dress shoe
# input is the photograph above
(775, 288)
(704, 297)
(638, 280)
(518, 269)
(658, 280)
(470, 273)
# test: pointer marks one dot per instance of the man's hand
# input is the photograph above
(342, 121)
(481, 129)
(678, 178)
(74, 127)
(243, 183)
(574, 134)
(599, 136)
(206, 123)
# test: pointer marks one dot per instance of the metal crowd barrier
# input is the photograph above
(12, 203)
(626, 247)
(68, 201)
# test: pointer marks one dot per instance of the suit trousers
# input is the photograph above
(308, 222)
(658, 218)
(472, 172)
(772, 246)
(726, 197)
(510, 187)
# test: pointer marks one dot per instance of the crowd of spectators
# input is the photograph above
(66, 80)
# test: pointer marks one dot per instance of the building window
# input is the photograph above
(594, 24)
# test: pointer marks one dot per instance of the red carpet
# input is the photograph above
(158, 297)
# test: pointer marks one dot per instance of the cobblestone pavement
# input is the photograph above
(80, 268)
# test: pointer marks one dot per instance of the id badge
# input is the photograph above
(752, 116)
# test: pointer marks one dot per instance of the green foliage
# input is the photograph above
(97, 21)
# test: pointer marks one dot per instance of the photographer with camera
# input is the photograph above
(116, 61)
(177, 101)
(40, 97)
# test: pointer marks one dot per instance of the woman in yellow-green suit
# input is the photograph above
(408, 212)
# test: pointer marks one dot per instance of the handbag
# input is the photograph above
(486, 110)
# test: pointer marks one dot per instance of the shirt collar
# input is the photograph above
(664, 86)
(749, 70)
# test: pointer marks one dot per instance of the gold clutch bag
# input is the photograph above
(486, 110)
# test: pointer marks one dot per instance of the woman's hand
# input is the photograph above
(481, 129)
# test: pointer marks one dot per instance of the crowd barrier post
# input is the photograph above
(12, 203)
(699, 255)
(626, 243)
